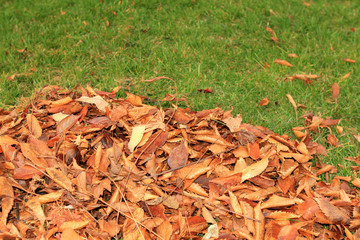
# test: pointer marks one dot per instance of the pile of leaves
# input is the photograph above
(84, 164)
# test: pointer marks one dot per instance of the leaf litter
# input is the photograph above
(85, 164)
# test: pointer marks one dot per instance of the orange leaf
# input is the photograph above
(283, 62)
(292, 55)
(346, 75)
(133, 99)
(335, 90)
(332, 140)
(235, 204)
(254, 169)
(69, 233)
(269, 30)
(34, 125)
(292, 101)
(7, 199)
(349, 60)
(289, 232)
(60, 178)
(275, 39)
(264, 102)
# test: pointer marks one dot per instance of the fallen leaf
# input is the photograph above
(357, 137)
(275, 39)
(346, 75)
(283, 62)
(155, 79)
(292, 55)
(7, 199)
(212, 232)
(335, 90)
(60, 178)
(254, 169)
(288, 232)
(291, 100)
(34, 125)
(100, 103)
(66, 123)
(136, 136)
(339, 129)
(69, 233)
(264, 102)
(206, 90)
(349, 60)
(178, 156)
(332, 140)
(333, 213)
(269, 30)
(306, 4)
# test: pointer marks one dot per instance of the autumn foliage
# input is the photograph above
(83, 164)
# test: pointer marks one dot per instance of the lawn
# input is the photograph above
(223, 46)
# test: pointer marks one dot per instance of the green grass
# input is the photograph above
(221, 45)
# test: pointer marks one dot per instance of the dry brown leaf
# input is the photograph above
(235, 205)
(283, 62)
(289, 232)
(7, 199)
(335, 90)
(60, 178)
(178, 156)
(335, 214)
(260, 223)
(67, 123)
(136, 136)
(165, 230)
(69, 233)
(276, 201)
(332, 140)
(233, 123)
(5, 139)
(100, 103)
(133, 99)
(74, 224)
(34, 125)
(254, 169)
(155, 79)
(291, 100)
(263, 102)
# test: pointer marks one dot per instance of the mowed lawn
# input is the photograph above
(226, 46)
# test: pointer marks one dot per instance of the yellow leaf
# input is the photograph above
(136, 136)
